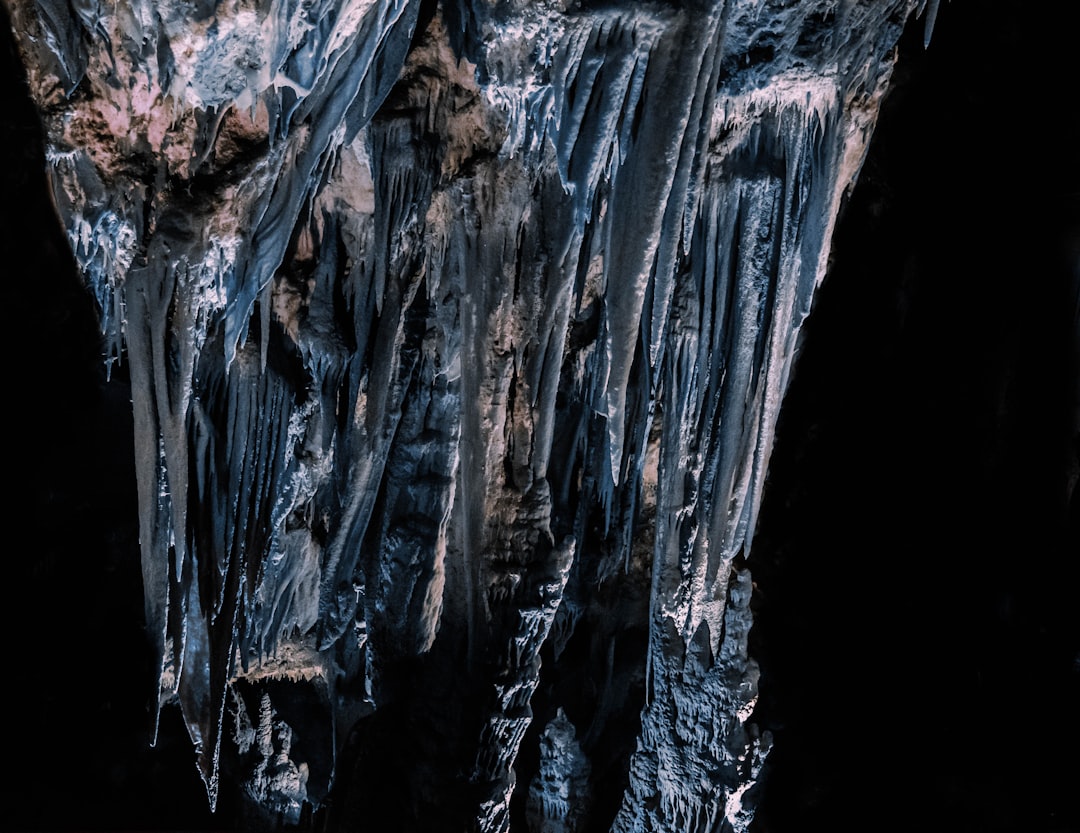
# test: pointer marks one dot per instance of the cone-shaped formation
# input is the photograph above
(457, 336)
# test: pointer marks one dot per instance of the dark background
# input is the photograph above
(917, 554)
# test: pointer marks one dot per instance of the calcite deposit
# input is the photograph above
(457, 335)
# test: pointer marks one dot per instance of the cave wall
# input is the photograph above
(91, 704)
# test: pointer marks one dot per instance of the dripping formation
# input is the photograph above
(451, 332)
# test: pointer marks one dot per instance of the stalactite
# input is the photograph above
(439, 319)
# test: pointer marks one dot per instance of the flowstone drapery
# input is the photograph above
(457, 336)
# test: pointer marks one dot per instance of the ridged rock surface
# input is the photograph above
(457, 336)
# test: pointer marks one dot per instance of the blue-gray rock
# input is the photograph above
(457, 337)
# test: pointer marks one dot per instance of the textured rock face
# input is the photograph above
(457, 336)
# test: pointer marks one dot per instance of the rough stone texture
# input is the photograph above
(408, 312)
(558, 799)
(457, 338)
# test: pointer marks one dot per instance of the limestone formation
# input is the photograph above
(457, 334)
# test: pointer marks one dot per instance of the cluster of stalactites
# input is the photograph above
(405, 316)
